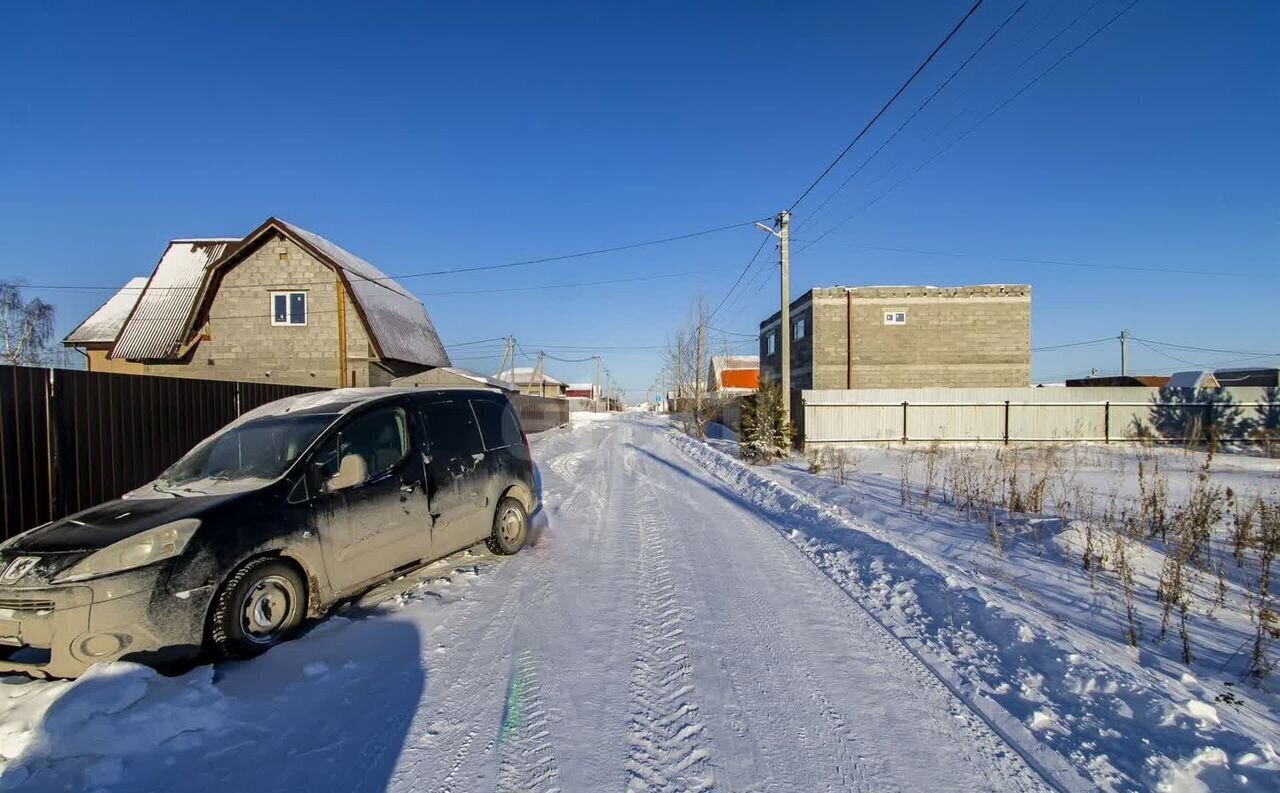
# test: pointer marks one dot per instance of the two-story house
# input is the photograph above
(903, 337)
(281, 305)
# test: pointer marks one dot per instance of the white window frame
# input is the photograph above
(895, 317)
(771, 343)
(288, 309)
(797, 329)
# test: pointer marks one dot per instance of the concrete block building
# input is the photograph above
(903, 337)
(282, 305)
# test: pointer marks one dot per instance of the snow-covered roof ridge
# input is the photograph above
(398, 322)
(156, 325)
(524, 376)
(103, 325)
(720, 362)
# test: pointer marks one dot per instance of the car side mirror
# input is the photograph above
(353, 470)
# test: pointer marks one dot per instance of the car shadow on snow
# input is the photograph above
(328, 712)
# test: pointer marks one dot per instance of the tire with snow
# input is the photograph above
(510, 527)
(260, 605)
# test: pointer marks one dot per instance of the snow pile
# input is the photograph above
(1028, 643)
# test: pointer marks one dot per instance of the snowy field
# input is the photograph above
(685, 623)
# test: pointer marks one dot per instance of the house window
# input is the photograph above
(770, 343)
(895, 317)
(797, 329)
(288, 308)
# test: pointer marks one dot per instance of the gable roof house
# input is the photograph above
(530, 381)
(283, 305)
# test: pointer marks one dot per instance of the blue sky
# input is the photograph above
(431, 137)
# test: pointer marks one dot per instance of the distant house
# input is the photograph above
(581, 391)
(534, 384)
(1194, 378)
(903, 337)
(282, 305)
(1266, 377)
(1121, 381)
(734, 374)
(446, 376)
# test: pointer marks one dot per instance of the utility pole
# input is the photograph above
(596, 392)
(508, 353)
(784, 221)
(540, 374)
(1124, 353)
(697, 365)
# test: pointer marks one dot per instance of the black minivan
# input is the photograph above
(276, 517)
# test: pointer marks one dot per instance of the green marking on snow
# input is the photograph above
(513, 713)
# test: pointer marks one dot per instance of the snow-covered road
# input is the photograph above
(661, 635)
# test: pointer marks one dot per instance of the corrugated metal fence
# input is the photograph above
(538, 414)
(71, 439)
(1020, 414)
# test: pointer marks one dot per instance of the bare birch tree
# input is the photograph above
(26, 326)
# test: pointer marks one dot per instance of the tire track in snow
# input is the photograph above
(756, 684)
(668, 749)
(526, 760)
(971, 732)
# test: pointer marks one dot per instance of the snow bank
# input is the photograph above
(1029, 650)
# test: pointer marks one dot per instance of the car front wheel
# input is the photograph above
(261, 604)
(510, 527)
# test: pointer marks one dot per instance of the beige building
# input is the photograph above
(283, 305)
(533, 382)
(904, 337)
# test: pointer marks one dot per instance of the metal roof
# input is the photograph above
(154, 330)
(398, 323)
(103, 325)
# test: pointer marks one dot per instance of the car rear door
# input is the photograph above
(457, 476)
(382, 522)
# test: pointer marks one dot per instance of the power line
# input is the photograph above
(886, 106)
(1073, 344)
(973, 128)
(1205, 349)
(1056, 262)
(919, 109)
(750, 262)
(403, 276)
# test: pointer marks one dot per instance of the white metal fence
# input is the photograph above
(1026, 414)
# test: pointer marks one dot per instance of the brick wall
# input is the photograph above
(953, 337)
(244, 345)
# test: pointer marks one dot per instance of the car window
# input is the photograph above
(498, 424)
(381, 438)
(451, 429)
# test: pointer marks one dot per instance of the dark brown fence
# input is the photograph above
(71, 439)
(538, 414)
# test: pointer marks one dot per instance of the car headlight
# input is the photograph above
(140, 550)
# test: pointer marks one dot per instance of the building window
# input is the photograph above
(797, 329)
(288, 308)
(895, 317)
(770, 343)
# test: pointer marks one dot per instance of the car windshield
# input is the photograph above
(255, 452)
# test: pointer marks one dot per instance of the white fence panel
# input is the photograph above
(986, 414)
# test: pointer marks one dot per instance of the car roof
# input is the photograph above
(339, 401)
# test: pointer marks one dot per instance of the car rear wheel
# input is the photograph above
(510, 527)
(261, 604)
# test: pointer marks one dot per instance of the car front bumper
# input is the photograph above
(60, 631)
